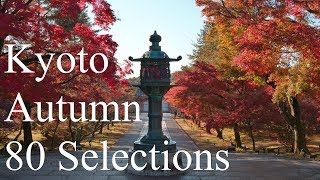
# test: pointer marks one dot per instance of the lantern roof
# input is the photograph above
(155, 48)
(155, 53)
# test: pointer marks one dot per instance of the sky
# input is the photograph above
(178, 22)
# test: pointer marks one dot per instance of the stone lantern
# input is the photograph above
(155, 83)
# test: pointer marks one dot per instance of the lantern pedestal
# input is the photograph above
(159, 160)
(154, 134)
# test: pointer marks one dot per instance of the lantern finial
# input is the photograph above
(155, 39)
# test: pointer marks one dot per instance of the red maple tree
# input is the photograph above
(275, 43)
(53, 26)
(203, 94)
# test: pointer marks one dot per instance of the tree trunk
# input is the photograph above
(54, 134)
(101, 127)
(237, 137)
(1, 44)
(208, 127)
(71, 132)
(251, 135)
(199, 123)
(300, 138)
(18, 135)
(96, 127)
(79, 137)
(293, 117)
(27, 132)
(299, 131)
(219, 133)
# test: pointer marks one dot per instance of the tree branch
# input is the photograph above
(232, 84)
(34, 59)
(28, 2)
(228, 11)
(51, 51)
(67, 81)
(17, 50)
(3, 9)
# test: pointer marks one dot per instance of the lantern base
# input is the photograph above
(170, 146)
(163, 144)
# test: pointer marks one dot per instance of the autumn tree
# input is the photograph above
(53, 26)
(276, 44)
(207, 96)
